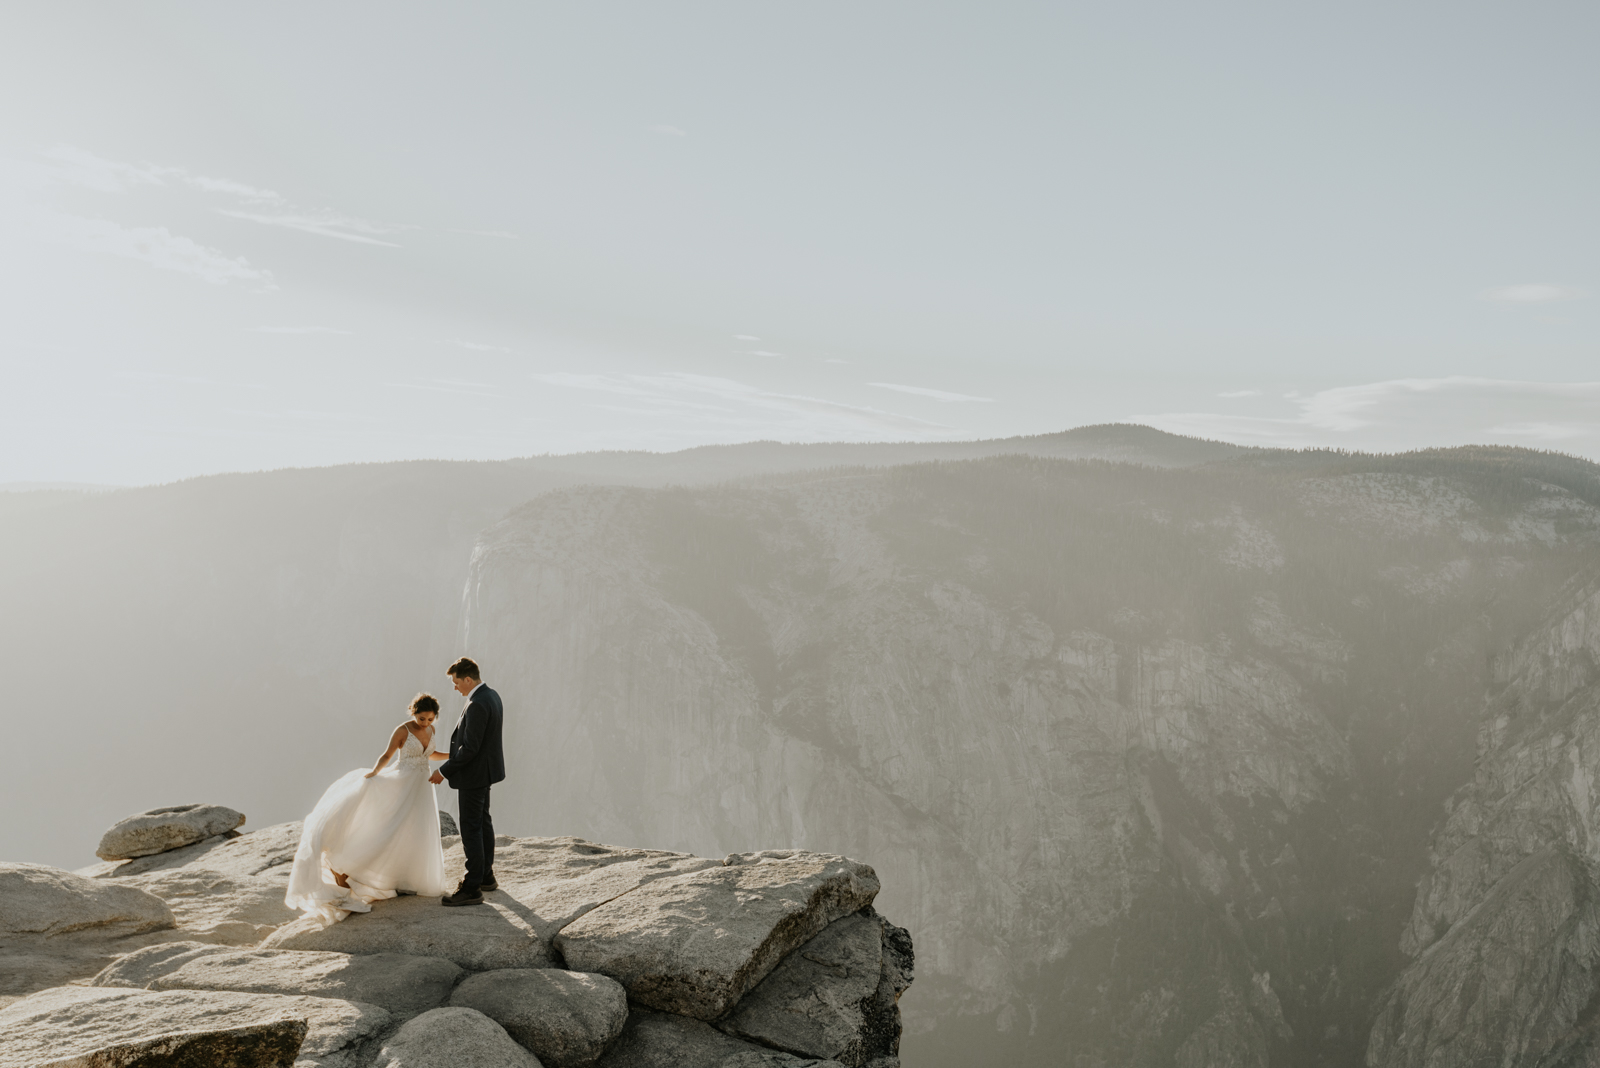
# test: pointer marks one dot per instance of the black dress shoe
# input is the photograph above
(464, 896)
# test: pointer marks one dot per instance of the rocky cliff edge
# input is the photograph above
(586, 955)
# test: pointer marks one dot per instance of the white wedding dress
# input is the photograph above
(382, 833)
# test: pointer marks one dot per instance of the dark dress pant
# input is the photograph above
(477, 835)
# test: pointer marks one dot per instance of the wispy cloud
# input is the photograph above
(1413, 412)
(764, 352)
(158, 247)
(1532, 293)
(833, 360)
(936, 394)
(745, 337)
(323, 224)
(1238, 393)
(300, 330)
(669, 131)
(75, 166)
(85, 169)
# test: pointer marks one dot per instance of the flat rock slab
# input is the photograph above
(401, 984)
(660, 1040)
(30, 963)
(242, 909)
(694, 944)
(86, 1026)
(453, 1038)
(164, 829)
(74, 1027)
(556, 880)
(479, 938)
(254, 853)
(545, 883)
(836, 996)
(567, 1019)
(35, 899)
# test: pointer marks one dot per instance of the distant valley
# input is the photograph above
(1152, 740)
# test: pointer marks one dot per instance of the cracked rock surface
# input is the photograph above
(410, 984)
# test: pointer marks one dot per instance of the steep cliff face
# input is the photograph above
(1505, 935)
(1149, 758)
(317, 600)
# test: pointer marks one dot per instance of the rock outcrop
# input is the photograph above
(71, 1026)
(162, 830)
(402, 984)
(453, 1038)
(238, 909)
(694, 944)
(57, 927)
(835, 997)
(566, 1019)
(412, 985)
(662, 1040)
(48, 901)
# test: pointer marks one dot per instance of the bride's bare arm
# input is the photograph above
(396, 740)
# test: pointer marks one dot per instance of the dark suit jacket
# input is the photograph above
(476, 759)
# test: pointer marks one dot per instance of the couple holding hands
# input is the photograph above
(376, 833)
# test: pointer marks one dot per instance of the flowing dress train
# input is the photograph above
(382, 833)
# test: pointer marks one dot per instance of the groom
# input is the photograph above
(476, 763)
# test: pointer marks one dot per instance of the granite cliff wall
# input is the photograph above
(1149, 761)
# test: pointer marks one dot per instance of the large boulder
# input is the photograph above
(447, 825)
(239, 909)
(661, 1040)
(694, 944)
(254, 853)
(834, 997)
(453, 1038)
(164, 829)
(400, 984)
(566, 1018)
(70, 1026)
(35, 899)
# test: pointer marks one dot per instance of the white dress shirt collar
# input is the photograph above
(474, 690)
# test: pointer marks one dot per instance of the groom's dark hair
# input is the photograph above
(464, 669)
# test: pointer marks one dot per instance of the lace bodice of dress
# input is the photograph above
(412, 757)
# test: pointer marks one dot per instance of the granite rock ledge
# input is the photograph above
(587, 955)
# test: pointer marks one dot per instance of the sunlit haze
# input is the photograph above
(242, 237)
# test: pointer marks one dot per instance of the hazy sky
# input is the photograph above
(236, 236)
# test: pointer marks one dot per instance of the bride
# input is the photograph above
(375, 832)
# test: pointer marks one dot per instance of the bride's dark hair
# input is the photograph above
(424, 702)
